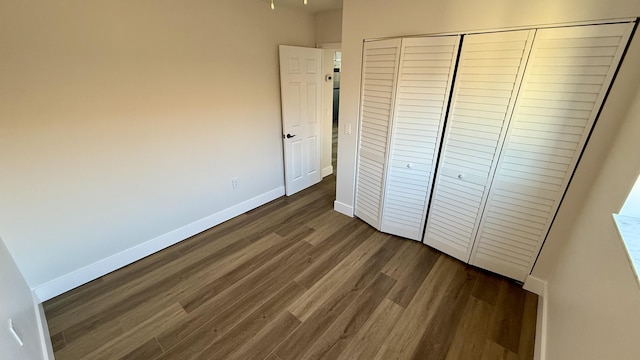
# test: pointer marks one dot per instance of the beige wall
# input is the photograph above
(367, 19)
(593, 297)
(123, 120)
(329, 27)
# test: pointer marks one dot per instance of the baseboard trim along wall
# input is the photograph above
(45, 338)
(343, 208)
(91, 272)
(327, 171)
(539, 287)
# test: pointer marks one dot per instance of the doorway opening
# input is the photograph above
(337, 65)
(332, 69)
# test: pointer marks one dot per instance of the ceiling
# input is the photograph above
(313, 6)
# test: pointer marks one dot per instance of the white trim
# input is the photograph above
(635, 270)
(102, 267)
(43, 329)
(515, 28)
(535, 285)
(327, 171)
(540, 288)
(343, 208)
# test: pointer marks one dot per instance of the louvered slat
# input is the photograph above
(569, 73)
(490, 70)
(424, 84)
(378, 87)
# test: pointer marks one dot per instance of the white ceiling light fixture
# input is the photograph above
(273, 6)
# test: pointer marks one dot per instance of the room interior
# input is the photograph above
(124, 123)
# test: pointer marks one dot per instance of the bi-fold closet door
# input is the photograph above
(568, 75)
(522, 108)
(405, 93)
(489, 74)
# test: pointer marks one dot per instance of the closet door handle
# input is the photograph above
(461, 176)
(409, 166)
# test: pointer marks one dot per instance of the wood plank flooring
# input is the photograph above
(295, 280)
(334, 147)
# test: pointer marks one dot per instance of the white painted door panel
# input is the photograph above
(567, 77)
(490, 70)
(424, 85)
(379, 69)
(301, 92)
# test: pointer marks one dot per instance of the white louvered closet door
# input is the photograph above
(424, 85)
(379, 70)
(568, 75)
(490, 70)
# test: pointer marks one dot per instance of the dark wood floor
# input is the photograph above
(295, 280)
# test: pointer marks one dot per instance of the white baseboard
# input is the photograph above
(327, 171)
(535, 285)
(343, 208)
(539, 287)
(45, 337)
(91, 272)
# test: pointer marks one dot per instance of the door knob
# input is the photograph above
(289, 136)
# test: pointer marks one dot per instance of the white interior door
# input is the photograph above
(301, 91)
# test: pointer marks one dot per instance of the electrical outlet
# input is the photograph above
(15, 332)
(234, 183)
